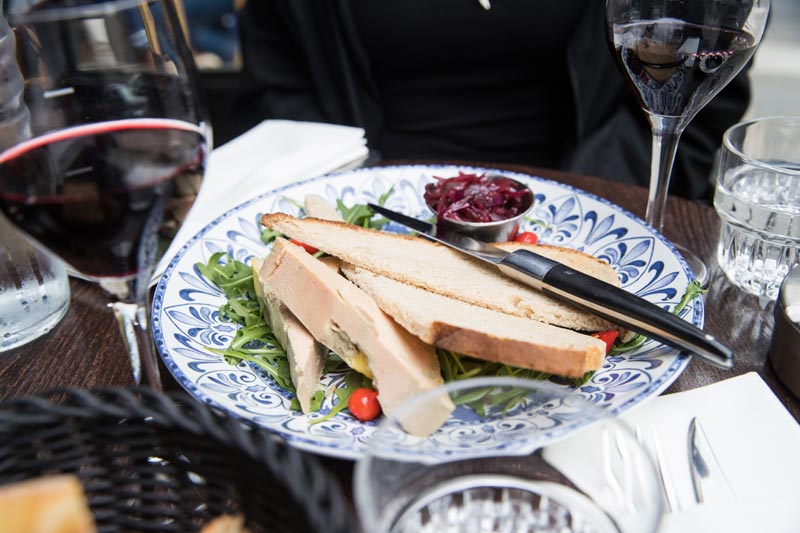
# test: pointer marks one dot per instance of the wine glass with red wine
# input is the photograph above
(676, 56)
(113, 147)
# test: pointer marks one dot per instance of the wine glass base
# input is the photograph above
(697, 265)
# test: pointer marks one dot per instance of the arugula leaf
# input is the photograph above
(334, 364)
(233, 277)
(385, 196)
(253, 341)
(269, 235)
(316, 400)
(361, 214)
(693, 290)
(578, 382)
(457, 367)
(358, 214)
(538, 222)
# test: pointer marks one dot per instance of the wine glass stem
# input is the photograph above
(132, 320)
(666, 134)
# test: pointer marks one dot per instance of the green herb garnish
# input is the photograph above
(456, 367)
(693, 290)
(269, 235)
(359, 215)
(539, 222)
(253, 341)
(362, 215)
(233, 277)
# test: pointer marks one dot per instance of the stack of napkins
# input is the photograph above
(271, 155)
(754, 438)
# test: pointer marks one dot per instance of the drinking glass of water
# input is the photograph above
(758, 200)
(500, 463)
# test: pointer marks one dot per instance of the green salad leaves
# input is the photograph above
(253, 341)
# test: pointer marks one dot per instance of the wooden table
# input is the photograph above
(85, 349)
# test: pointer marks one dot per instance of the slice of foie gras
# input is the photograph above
(306, 356)
(402, 366)
(327, 332)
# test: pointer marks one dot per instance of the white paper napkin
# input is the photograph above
(757, 443)
(272, 154)
(754, 438)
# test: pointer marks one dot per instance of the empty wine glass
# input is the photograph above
(116, 147)
(676, 56)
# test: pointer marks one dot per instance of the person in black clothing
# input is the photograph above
(523, 82)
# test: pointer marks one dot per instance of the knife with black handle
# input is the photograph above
(589, 293)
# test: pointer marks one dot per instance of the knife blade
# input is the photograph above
(708, 477)
(581, 290)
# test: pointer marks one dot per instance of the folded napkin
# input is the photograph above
(754, 438)
(272, 154)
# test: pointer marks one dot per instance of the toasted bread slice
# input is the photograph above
(483, 333)
(439, 269)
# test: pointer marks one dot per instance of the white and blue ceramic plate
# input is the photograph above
(186, 320)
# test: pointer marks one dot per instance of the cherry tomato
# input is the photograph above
(528, 237)
(363, 403)
(304, 246)
(607, 337)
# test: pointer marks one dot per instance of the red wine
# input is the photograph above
(676, 68)
(97, 194)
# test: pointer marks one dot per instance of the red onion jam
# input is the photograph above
(477, 198)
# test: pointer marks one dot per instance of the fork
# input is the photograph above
(656, 453)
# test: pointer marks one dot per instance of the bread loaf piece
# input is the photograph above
(437, 268)
(225, 524)
(483, 333)
(52, 504)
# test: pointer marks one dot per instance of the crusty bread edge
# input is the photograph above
(487, 347)
(269, 220)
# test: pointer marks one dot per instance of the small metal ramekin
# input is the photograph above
(499, 231)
